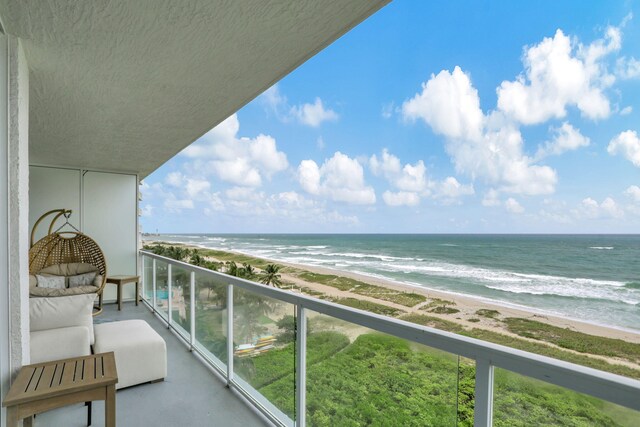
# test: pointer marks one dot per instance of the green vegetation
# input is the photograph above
(239, 258)
(572, 340)
(288, 327)
(473, 320)
(523, 402)
(271, 276)
(338, 282)
(440, 306)
(368, 306)
(408, 299)
(443, 309)
(520, 344)
(485, 312)
(276, 364)
(434, 322)
(380, 380)
(437, 302)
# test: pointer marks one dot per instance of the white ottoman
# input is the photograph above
(141, 354)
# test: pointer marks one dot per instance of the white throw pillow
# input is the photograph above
(51, 282)
(85, 279)
(61, 312)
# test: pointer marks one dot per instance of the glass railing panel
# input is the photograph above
(162, 288)
(147, 281)
(523, 401)
(264, 351)
(357, 376)
(181, 300)
(211, 318)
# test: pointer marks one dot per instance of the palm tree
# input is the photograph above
(232, 268)
(270, 276)
(248, 271)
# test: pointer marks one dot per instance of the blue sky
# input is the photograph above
(431, 117)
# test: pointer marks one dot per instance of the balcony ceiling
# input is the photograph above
(125, 85)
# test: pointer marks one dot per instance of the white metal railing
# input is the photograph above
(610, 387)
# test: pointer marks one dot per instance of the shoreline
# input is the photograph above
(467, 305)
(557, 319)
(474, 304)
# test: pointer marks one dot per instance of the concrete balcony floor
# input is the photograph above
(191, 395)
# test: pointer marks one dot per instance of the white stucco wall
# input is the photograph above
(4, 231)
(18, 176)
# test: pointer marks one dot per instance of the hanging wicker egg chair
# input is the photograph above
(64, 248)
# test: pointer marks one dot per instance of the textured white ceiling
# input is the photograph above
(125, 85)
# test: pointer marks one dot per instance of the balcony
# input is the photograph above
(277, 349)
(192, 395)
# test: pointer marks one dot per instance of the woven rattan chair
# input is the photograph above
(65, 248)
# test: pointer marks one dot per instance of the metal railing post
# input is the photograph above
(229, 335)
(192, 312)
(168, 295)
(153, 278)
(483, 408)
(142, 275)
(301, 366)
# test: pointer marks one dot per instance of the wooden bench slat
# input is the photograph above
(68, 372)
(35, 380)
(47, 377)
(89, 369)
(79, 368)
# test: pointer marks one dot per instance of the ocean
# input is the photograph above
(593, 278)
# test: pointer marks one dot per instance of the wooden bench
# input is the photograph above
(50, 385)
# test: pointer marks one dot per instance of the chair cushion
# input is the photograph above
(70, 269)
(84, 279)
(51, 281)
(78, 290)
(61, 343)
(61, 312)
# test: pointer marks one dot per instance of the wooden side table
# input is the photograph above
(120, 281)
(50, 385)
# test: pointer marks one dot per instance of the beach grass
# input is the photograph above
(408, 299)
(490, 314)
(368, 306)
(347, 284)
(522, 344)
(573, 340)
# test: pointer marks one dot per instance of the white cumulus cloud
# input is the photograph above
(513, 206)
(400, 198)
(628, 68)
(237, 160)
(491, 198)
(561, 72)
(450, 190)
(626, 144)
(608, 208)
(449, 104)
(410, 177)
(313, 114)
(626, 110)
(488, 147)
(309, 114)
(633, 192)
(565, 138)
(340, 178)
